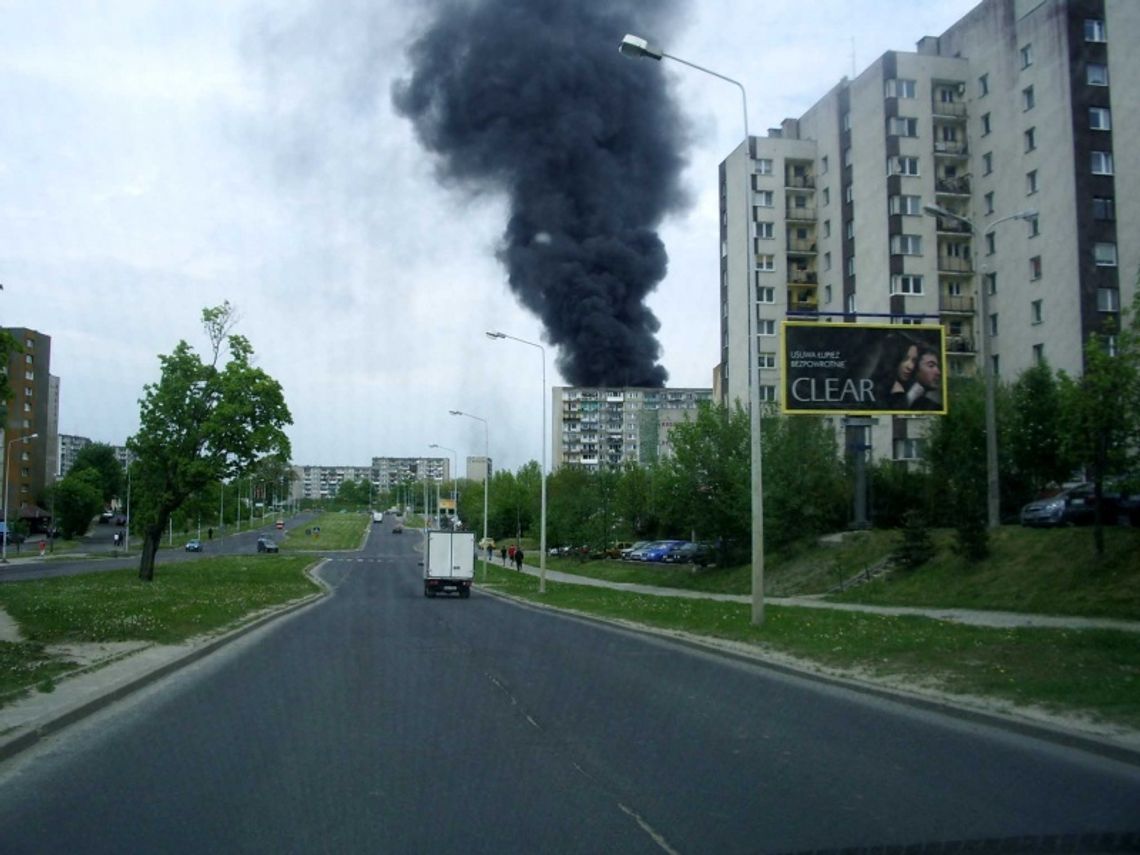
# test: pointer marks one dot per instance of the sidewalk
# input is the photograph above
(972, 617)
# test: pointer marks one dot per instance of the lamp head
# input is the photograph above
(496, 335)
(637, 47)
(455, 412)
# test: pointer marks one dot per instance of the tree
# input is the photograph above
(1102, 409)
(77, 499)
(201, 423)
(956, 456)
(100, 458)
(1034, 440)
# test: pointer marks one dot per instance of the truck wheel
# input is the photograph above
(465, 593)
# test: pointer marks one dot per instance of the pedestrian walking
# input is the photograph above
(490, 552)
(519, 559)
(503, 554)
(511, 553)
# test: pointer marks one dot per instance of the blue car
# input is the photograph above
(659, 550)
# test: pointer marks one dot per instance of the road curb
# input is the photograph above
(1090, 743)
(39, 730)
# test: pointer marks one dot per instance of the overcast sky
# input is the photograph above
(159, 157)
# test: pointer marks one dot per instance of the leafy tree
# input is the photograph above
(1034, 439)
(1102, 409)
(201, 423)
(915, 547)
(634, 499)
(956, 456)
(354, 493)
(77, 498)
(806, 490)
(896, 490)
(100, 458)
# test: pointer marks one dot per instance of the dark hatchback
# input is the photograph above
(1078, 505)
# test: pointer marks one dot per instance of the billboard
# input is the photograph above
(855, 369)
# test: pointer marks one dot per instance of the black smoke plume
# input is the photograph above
(531, 98)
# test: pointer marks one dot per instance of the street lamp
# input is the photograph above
(486, 464)
(993, 490)
(7, 466)
(636, 47)
(454, 483)
(542, 447)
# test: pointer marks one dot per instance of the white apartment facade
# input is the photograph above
(1015, 108)
(323, 482)
(597, 427)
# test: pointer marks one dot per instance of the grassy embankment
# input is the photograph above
(186, 599)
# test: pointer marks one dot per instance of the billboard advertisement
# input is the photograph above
(862, 369)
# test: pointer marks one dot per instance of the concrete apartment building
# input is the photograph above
(595, 427)
(1016, 107)
(323, 482)
(479, 467)
(32, 409)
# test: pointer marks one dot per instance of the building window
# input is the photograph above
(765, 294)
(1035, 312)
(827, 294)
(1104, 208)
(990, 283)
(906, 284)
(766, 359)
(1100, 119)
(900, 89)
(993, 324)
(1096, 74)
(764, 166)
(851, 304)
(826, 196)
(765, 262)
(1034, 226)
(1030, 139)
(910, 206)
(1038, 353)
(991, 243)
(765, 199)
(1027, 56)
(849, 229)
(1031, 182)
(906, 244)
(902, 165)
(845, 121)
(1105, 254)
(827, 261)
(987, 163)
(827, 228)
(847, 156)
(1035, 267)
(983, 86)
(900, 126)
(1094, 30)
(985, 124)
(765, 326)
(766, 231)
(1107, 300)
(849, 193)
(989, 202)
(1027, 99)
(1101, 162)
(908, 449)
(823, 162)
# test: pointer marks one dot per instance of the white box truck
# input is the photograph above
(377, 516)
(449, 562)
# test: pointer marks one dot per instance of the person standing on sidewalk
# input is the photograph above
(519, 559)
(503, 553)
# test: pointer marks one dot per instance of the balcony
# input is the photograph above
(803, 301)
(960, 345)
(950, 264)
(802, 277)
(945, 226)
(953, 186)
(955, 305)
(801, 246)
(951, 149)
(802, 181)
(957, 109)
(801, 214)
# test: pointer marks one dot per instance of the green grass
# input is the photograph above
(1045, 571)
(184, 600)
(1096, 673)
(337, 531)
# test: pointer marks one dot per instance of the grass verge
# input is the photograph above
(328, 531)
(184, 600)
(1090, 673)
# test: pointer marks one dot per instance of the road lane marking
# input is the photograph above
(650, 830)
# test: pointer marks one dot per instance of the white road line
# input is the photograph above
(648, 829)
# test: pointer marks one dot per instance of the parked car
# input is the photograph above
(1073, 506)
(638, 551)
(627, 554)
(618, 549)
(194, 545)
(267, 544)
(398, 528)
(688, 552)
(657, 551)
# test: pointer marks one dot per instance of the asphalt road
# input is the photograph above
(382, 721)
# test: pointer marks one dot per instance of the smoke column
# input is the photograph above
(532, 99)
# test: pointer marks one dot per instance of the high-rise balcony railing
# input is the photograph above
(955, 304)
(950, 264)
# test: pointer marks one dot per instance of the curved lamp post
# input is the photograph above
(636, 47)
(7, 466)
(993, 488)
(454, 483)
(542, 523)
(486, 465)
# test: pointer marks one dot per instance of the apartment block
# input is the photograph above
(29, 414)
(1006, 122)
(323, 482)
(479, 468)
(596, 427)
